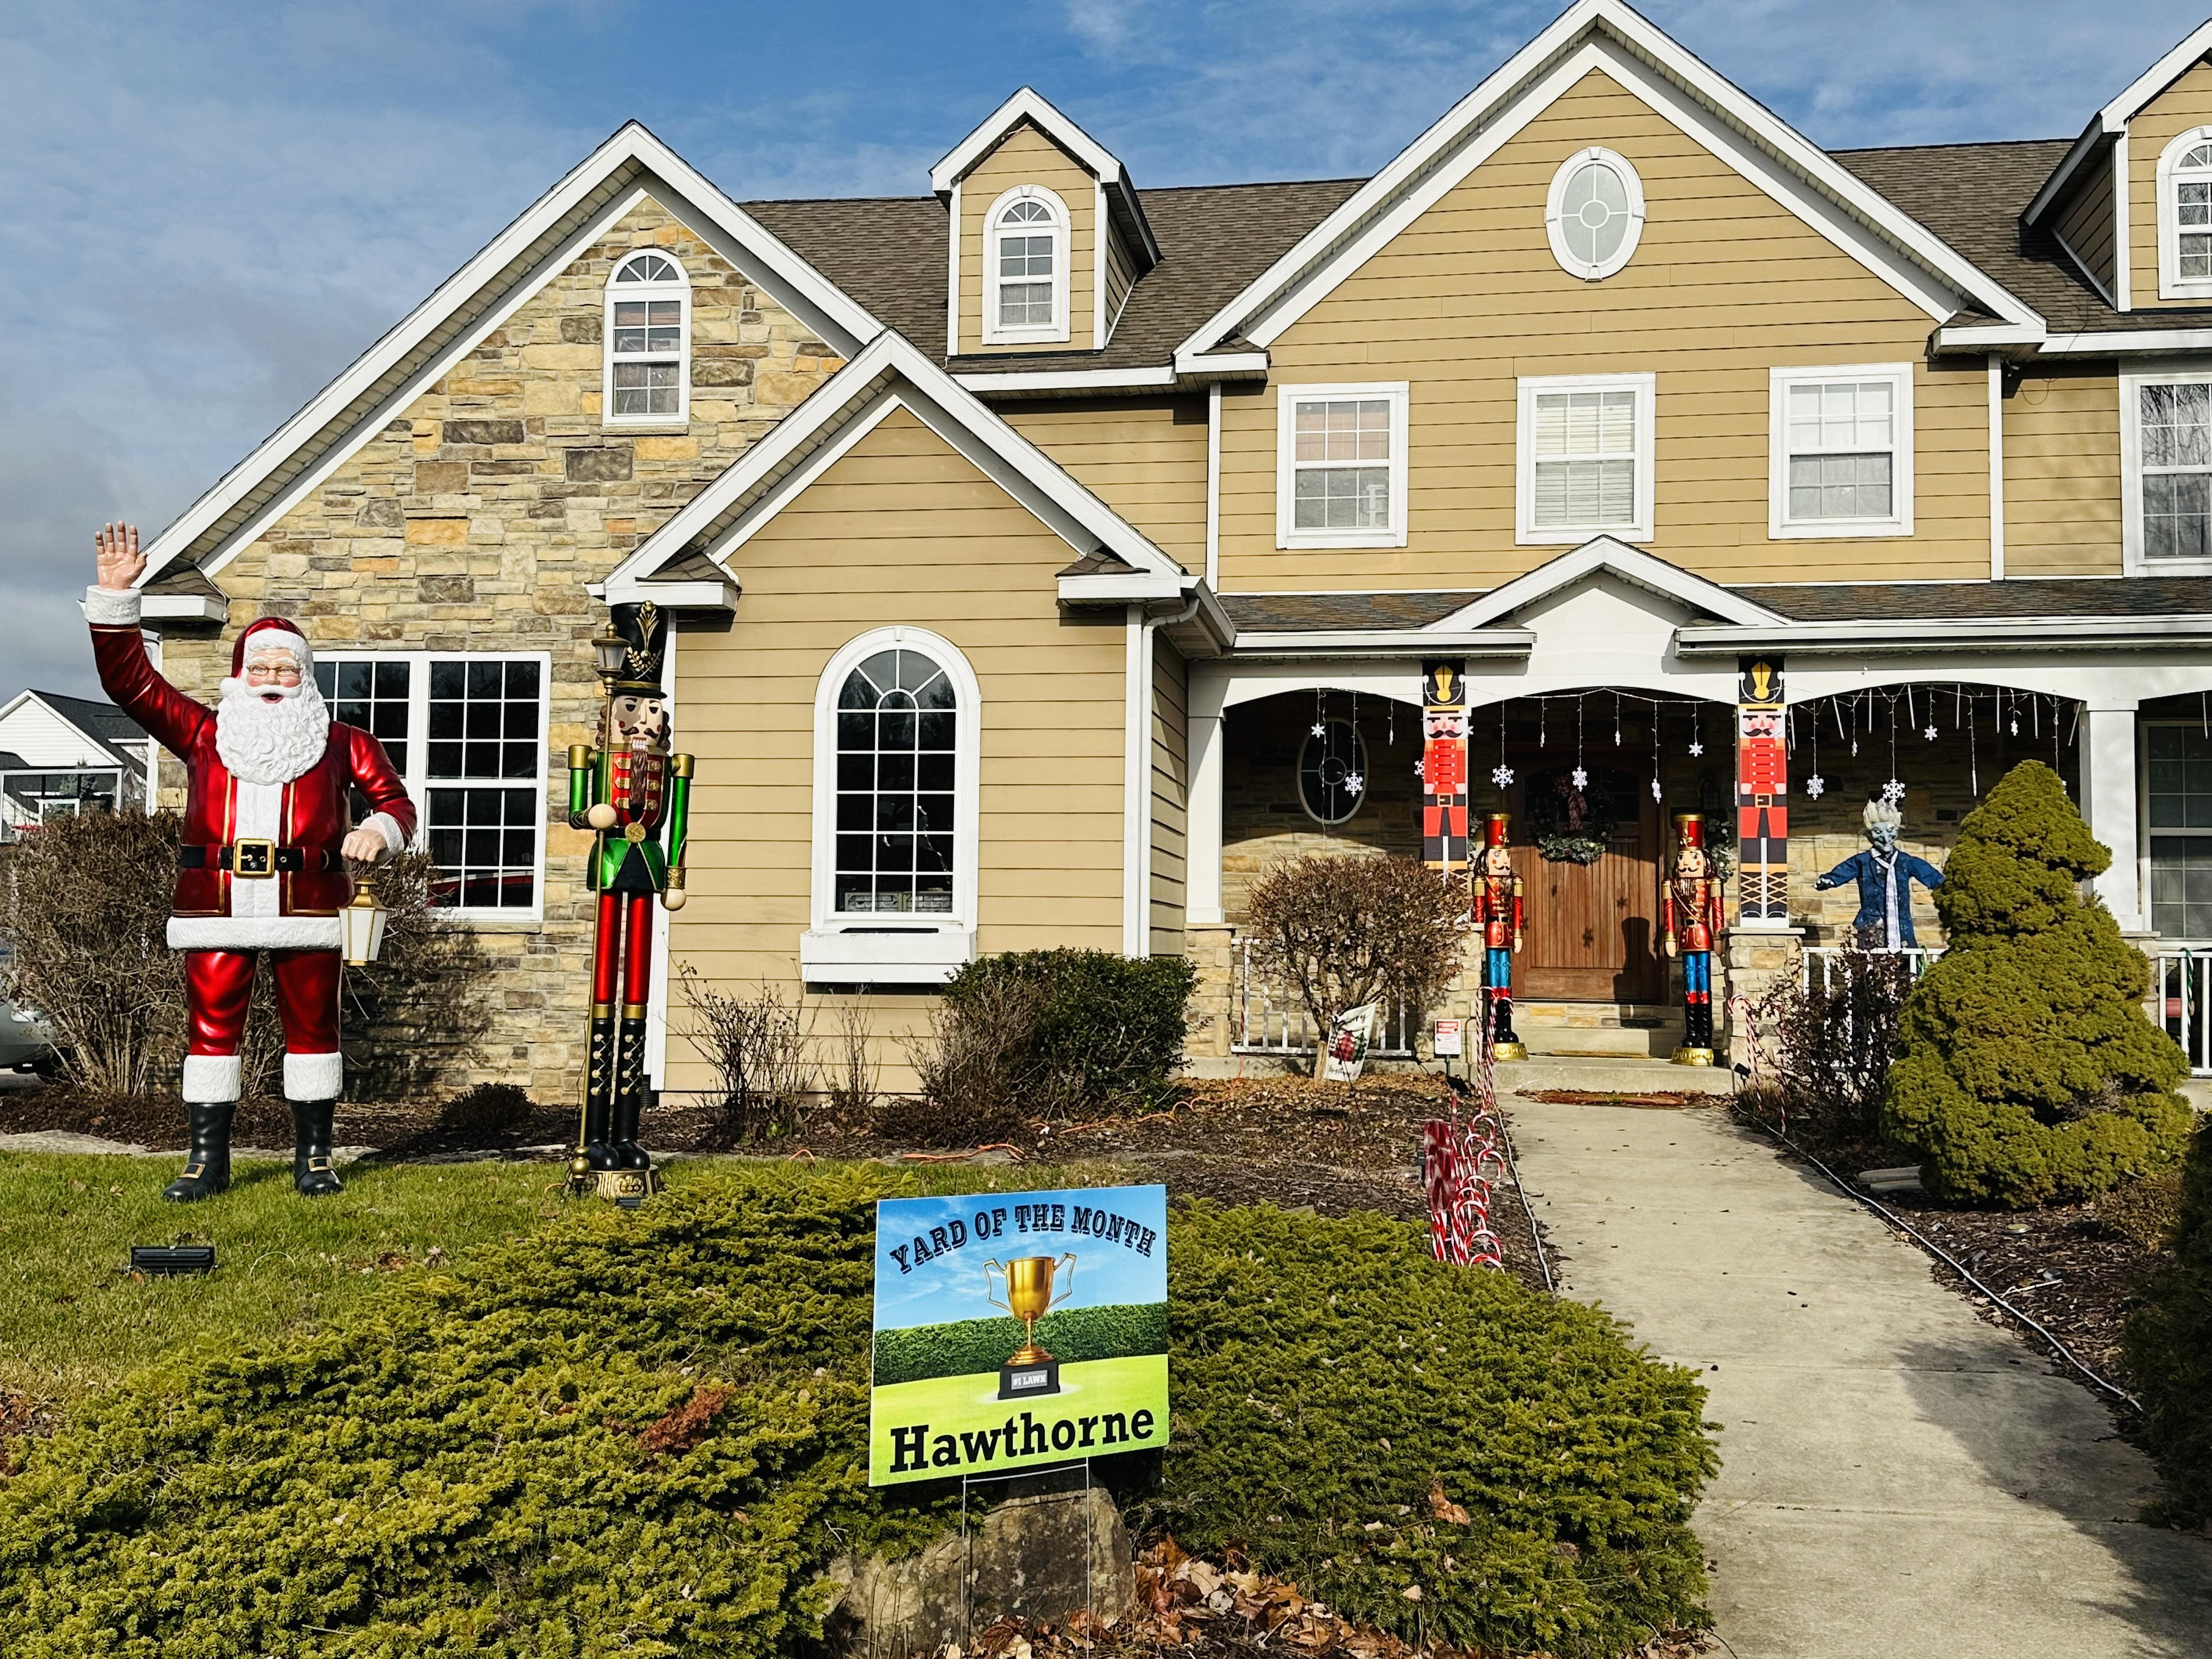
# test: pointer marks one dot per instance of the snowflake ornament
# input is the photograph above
(1655, 793)
(1929, 734)
(1320, 730)
(1892, 791)
(1696, 748)
(1816, 786)
(1581, 779)
(2015, 725)
(1501, 775)
(1355, 783)
(1420, 769)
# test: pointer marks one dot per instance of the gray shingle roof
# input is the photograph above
(1290, 613)
(2117, 596)
(100, 721)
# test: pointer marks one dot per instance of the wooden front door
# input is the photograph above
(1592, 929)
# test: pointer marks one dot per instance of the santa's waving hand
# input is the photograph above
(262, 865)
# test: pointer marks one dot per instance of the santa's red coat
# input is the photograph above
(214, 910)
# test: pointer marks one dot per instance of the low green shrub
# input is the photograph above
(2026, 1072)
(2169, 1346)
(970, 1346)
(1102, 1028)
(646, 1434)
(1328, 1374)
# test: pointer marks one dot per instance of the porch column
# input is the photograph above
(1203, 837)
(2112, 805)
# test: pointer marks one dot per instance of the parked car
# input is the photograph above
(26, 1041)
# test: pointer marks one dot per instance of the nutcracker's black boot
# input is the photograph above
(628, 1155)
(630, 1092)
(312, 1176)
(207, 1161)
(599, 1091)
(1501, 1025)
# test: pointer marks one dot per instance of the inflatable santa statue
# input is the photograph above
(262, 866)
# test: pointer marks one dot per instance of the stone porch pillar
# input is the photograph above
(2112, 803)
(1757, 959)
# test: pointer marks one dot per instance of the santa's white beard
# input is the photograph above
(270, 740)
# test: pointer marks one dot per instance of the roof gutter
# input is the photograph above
(1883, 637)
(1305, 644)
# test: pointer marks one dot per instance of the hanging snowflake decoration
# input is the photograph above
(1656, 794)
(1420, 769)
(1580, 778)
(2015, 725)
(1696, 748)
(1892, 791)
(1816, 786)
(1355, 783)
(1320, 730)
(1929, 734)
(1501, 775)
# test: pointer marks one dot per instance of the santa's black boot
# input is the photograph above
(313, 1175)
(207, 1161)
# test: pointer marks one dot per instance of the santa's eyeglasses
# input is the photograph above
(272, 674)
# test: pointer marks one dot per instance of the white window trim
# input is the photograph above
(2172, 285)
(912, 949)
(414, 765)
(1780, 526)
(1526, 533)
(1028, 333)
(1632, 185)
(680, 291)
(2133, 561)
(1287, 399)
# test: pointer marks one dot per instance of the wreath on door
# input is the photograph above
(1570, 824)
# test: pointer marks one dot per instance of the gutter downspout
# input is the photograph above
(1137, 775)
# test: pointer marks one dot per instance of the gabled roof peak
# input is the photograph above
(2110, 121)
(1031, 106)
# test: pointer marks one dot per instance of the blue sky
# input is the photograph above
(951, 1286)
(211, 209)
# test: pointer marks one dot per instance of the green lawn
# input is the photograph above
(73, 1320)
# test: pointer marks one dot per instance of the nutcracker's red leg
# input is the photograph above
(629, 1063)
(308, 1004)
(599, 1080)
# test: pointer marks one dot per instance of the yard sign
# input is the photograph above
(1018, 1328)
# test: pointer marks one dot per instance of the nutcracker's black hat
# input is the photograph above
(644, 631)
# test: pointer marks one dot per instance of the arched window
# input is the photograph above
(898, 740)
(1025, 267)
(2185, 217)
(1333, 773)
(648, 334)
(1595, 214)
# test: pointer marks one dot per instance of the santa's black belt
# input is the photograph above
(259, 858)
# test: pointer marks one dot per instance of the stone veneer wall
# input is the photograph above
(472, 522)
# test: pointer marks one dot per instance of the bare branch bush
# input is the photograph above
(1831, 1040)
(759, 1053)
(852, 1074)
(1343, 930)
(975, 1069)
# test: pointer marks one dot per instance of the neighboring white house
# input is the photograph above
(61, 755)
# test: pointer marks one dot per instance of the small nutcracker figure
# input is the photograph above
(1690, 906)
(636, 795)
(1499, 914)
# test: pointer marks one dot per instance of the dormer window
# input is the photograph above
(2185, 217)
(1025, 268)
(648, 335)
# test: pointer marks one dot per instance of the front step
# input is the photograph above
(1612, 1075)
(1594, 1029)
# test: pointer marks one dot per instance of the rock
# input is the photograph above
(1904, 1178)
(1025, 1557)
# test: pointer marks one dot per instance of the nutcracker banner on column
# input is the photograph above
(1443, 765)
(1762, 783)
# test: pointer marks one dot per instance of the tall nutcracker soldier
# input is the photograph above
(1690, 906)
(1499, 914)
(636, 795)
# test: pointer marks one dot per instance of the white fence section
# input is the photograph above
(2181, 999)
(1269, 1019)
(1818, 965)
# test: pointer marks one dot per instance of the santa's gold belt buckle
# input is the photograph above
(253, 859)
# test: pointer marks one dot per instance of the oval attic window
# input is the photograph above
(1595, 214)
(1331, 773)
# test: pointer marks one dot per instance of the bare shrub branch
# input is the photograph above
(758, 1053)
(1347, 930)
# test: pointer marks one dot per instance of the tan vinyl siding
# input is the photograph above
(900, 530)
(2186, 104)
(2061, 469)
(1026, 156)
(1725, 285)
(1170, 796)
(1121, 275)
(2085, 223)
(1145, 460)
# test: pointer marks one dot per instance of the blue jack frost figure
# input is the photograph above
(1884, 873)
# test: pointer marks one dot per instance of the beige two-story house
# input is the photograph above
(1051, 552)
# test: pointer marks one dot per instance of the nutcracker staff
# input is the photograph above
(261, 869)
(1690, 907)
(636, 795)
(1497, 913)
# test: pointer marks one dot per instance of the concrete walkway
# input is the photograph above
(1899, 1480)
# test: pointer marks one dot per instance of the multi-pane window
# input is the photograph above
(1595, 215)
(1842, 451)
(1024, 266)
(2180, 789)
(2175, 436)
(1340, 464)
(468, 735)
(2191, 183)
(897, 743)
(647, 301)
(1585, 459)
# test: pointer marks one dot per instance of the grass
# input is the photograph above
(73, 1320)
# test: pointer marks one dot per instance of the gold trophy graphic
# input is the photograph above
(1030, 1370)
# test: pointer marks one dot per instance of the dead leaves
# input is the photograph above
(1442, 1507)
(687, 1425)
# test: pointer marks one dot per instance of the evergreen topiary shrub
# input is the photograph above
(2026, 1072)
(2169, 1347)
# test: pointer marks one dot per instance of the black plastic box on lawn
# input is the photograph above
(168, 1261)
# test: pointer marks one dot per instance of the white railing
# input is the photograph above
(1267, 1018)
(1820, 962)
(2181, 999)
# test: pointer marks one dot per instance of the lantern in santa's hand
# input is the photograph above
(1498, 915)
(635, 794)
(1690, 907)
